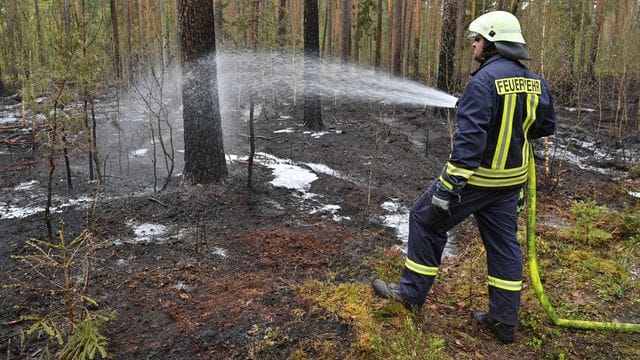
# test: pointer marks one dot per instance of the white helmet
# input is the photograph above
(503, 29)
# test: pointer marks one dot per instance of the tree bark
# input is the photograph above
(255, 24)
(515, 4)
(12, 23)
(378, 55)
(345, 53)
(593, 54)
(116, 39)
(40, 50)
(203, 147)
(219, 22)
(397, 38)
(312, 105)
(282, 23)
(416, 39)
(447, 45)
(357, 32)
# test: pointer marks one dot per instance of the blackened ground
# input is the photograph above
(221, 283)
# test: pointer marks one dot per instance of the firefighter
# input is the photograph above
(503, 106)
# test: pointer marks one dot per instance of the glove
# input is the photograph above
(441, 199)
(441, 203)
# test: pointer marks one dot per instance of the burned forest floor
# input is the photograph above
(276, 270)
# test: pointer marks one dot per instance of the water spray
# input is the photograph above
(535, 270)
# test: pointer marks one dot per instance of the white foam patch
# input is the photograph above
(635, 194)
(397, 218)
(9, 211)
(139, 152)
(26, 185)
(145, 233)
(283, 131)
(220, 252)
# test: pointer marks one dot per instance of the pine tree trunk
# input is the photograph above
(397, 39)
(219, 22)
(345, 53)
(203, 148)
(593, 54)
(282, 24)
(12, 23)
(312, 105)
(378, 54)
(447, 45)
(116, 39)
(357, 32)
(41, 49)
(416, 39)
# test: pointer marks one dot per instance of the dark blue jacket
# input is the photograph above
(502, 106)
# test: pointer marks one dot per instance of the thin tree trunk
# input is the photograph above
(593, 54)
(67, 16)
(447, 45)
(12, 24)
(397, 39)
(416, 39)
(255, 24)
(358, 32)
(515, 4)
(116, 39)
(282, 24)
(376, 62)
(41, 48)
(390, 31)
(129, 35)
(346, 31)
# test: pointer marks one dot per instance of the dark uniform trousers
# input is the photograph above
(495, 211)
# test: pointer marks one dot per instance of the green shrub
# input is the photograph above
(588, 222)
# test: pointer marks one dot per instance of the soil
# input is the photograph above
(221, 283)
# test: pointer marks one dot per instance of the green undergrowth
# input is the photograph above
(590, 269)
(381, 329)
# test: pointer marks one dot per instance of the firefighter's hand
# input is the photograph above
(440, 202)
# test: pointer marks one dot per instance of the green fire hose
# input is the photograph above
(535, 275)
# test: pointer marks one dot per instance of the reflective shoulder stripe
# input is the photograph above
(457, 171)
(504, 284)
(420, 269)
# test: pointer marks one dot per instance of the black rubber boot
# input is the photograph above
(392, 291)
(505, 333)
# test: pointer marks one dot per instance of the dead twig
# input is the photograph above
(158, 201)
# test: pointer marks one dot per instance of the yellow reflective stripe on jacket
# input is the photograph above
(421, 269)
(504, 137)
(500, 177)
(504, 284)
(532, 105)
(457, 171)
(497, 182)
(502, 173)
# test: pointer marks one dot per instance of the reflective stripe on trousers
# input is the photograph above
(496, 216)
